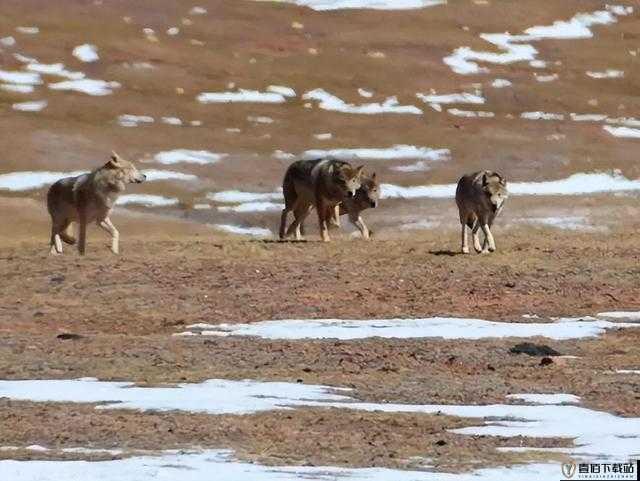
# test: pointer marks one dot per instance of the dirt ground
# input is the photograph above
(126, 309)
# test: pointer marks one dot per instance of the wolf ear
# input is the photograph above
(373, 176)
(359, 171)
(115, 158)
(484, 179)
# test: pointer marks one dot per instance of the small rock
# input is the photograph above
(532, 349)
(441, 442)
(68, 336)
(545, 361)
(491, 368)
(57, 278)
(510, 284)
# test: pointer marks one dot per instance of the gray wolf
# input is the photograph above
(367, 197)
(87, 198)
(480, 198)
(319, 183)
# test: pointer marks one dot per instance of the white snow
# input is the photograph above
(173, 31)
(471, 113)
(35, 106)
(153, 174)
(240, 230)
(500, 83)
(626, 315)
(147, 200)
(609, 73)
(330, 102)
(201, 157)
(57, 69)
(628, 371)
(86, 53)
(367, 94)
(7, 41)
(17, 88)
(260, 119)
(546, 78)
(541, 116)
(171, 120)
(128, 120)
(566, 222)
(20, 181)
(518, 48)
(323, 5)
(458, 98)
(252, 207)
(546, 399)
(625, 132)
(28, 30)
(390, 153)
(236, 196)
(434, 327)
(87, 86)
(25, 78)
(198, 11)
(419, 166)
(577, 184)
(241, 95)
(279, 89)
(587, 117)
(325, 136)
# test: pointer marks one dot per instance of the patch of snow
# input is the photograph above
(325, 136)
(500, 83)
(198, 11)
(419, 166)
(28, 30)
(541, 116)
(284, 91)
(35, 106)
(147, 200)
(25, 78)
(21, 181)
(568, 222)
(420, 225)
(87, 86)
(128, 120)
(17, 88)
(390, 153)
(330, 102)
(171, 120)
(173, 31)
(252, 207)
(609, 73)
(626, 315)
(538, 64)
(546, 399)
(471, 113)
(7, 41)
(281, 155)
(153, 174)
(459, 98)
(576, 184)
(56, 69)
(86, 53)
(241, 95)
(260, 119)
(546, 78)
(625, 132)
(587, 117)
(200, 157)
(518, 48)
(323, 5)
(236, 196)
(240, 230)
(367, 94)
(434, 327)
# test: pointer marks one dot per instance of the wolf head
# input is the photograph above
(348, 179)
(495, 187)
(124, 170)
(369, 192)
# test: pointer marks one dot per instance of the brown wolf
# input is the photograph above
(366, 197)
(480, 197)
(87, 198)
(319, 183)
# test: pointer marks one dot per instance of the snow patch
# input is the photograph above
(390, 153)
(240, 230)
(200, 157)
(86, 53)
(330, 102)
(146, 200)
(241, 95)
(87, 86)
(35, 106)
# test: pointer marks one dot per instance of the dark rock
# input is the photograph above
(532, 349)
(68, 336)
(545, 361)
(441, 442)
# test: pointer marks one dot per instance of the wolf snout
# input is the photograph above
(141, 178)
(350, 194)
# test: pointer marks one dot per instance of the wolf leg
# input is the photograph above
(107, 225)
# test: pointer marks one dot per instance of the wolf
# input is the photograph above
(87, 198)
(480, 198)
(321, 183)
(367, 196)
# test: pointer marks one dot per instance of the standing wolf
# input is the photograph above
(480, 197)
(319, 183)
(87, 198)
